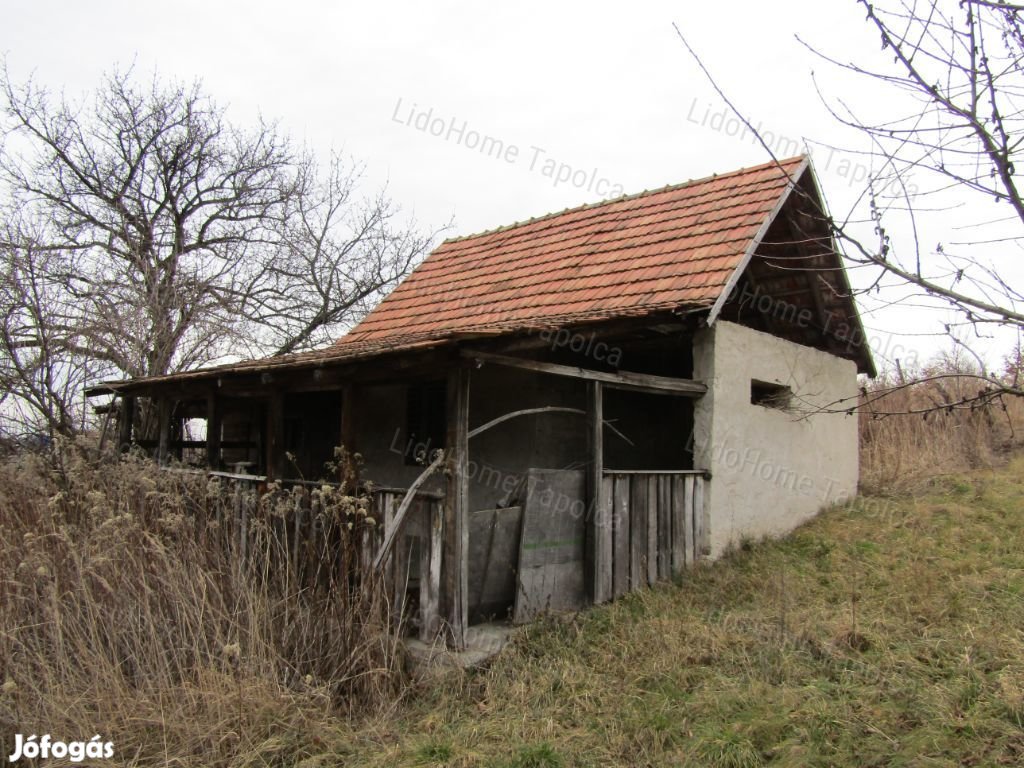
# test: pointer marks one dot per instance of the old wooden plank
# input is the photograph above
(688, 519)
(164, 425)
(620, 528)
(678, 489)
(700, 544)
(599, 533)
(456, 577)
(638, 532)
(620, 379)
(393, 528)
(430, 574)
(605, 531)
(551, 552)
(400, 579)
(213, 430)
(652, 529)
(664, 526)
(494, 541)
(125, 420)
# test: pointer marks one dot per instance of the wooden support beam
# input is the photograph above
(126, 420)
(599, 533)
(275, 459)
(665, 385)
(456, 513)
(164, 426)
(213, 431)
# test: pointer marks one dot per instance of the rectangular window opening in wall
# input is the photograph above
(770, 395)
(425, 421)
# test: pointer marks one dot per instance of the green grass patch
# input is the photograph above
(886, 632)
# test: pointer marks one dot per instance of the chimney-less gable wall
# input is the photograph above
(772, 468)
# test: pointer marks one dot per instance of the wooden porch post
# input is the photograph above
(126, 419)
(213, 429)
(456, 514)
(164, 424)
(599, 536)
(275, 460)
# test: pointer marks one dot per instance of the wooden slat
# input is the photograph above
(638, 532)
(688, 520)
(664, 527)
(400, 583)
(621, 528)
(599, 534)
(699, 543)
(605, 531)
(652, 528)
(430, 575)
(673, 472)
(678, 489)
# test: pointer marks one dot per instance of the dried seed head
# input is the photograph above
(232, 651)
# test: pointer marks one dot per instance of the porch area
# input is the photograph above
(498, 486)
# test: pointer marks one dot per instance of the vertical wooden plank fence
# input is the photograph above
(657, 524)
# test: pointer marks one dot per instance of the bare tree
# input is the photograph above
(953, 122)
(336, 255)
(177, 237)
(43, 364)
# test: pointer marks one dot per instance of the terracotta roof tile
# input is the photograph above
(669, 248)
(665, 249)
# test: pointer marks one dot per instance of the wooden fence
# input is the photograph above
(657, 521)
(413, 569)
(320, 541)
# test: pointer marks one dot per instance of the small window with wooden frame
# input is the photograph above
(769, 395)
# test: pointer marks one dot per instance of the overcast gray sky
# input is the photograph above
(604, 89)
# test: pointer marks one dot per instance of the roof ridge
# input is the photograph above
(622, 198)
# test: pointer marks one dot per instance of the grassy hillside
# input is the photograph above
(890, 632)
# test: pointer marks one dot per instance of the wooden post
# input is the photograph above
(599, 533)
(275, 460)
(213, 429)
(348, 418)
(126, 419)
(430, 572)
(164, 424)
(456, 516)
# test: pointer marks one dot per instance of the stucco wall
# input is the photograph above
(771, 469)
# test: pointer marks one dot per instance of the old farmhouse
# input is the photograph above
(561, 410)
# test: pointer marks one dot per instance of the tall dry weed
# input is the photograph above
(180, 618)
(914, 428)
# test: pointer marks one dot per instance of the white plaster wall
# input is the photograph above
(771, 469)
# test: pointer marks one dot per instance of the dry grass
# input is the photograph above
(900, 451)
(125, 611)
(884, 633)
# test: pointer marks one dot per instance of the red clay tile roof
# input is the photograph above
(672, 248)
